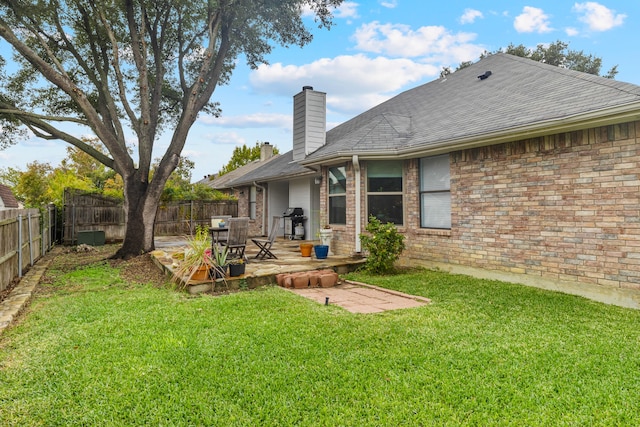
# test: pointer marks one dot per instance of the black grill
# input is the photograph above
(293, 217)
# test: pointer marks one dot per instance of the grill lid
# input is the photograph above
(293, 212)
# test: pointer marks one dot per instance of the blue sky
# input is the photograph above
(374, 50)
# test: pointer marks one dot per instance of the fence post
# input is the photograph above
(30, 237)
(20, 245)
(53, 224)
(42, 226)
(73, 224)
(191, 217)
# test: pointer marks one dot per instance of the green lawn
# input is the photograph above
(95, 350)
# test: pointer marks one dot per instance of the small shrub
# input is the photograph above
(384, 245)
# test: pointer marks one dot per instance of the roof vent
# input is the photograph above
(485, 75)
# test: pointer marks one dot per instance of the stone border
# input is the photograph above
(19, 296)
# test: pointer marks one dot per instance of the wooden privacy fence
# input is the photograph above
(179, 218)
(25, 235)
(91, 212)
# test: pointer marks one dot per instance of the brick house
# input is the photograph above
(508, 168)
(247, 191)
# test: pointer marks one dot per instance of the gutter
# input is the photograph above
(358, 224)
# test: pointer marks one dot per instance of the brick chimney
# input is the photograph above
(309, 122)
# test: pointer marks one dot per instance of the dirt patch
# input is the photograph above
(6, 291)
(139, 270)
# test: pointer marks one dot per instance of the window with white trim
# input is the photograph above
(384, 191)
(337, 195)
(435, 192)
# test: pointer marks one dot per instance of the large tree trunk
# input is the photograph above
(140, 214)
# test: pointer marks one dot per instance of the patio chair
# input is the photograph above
(237, 239)
(265, 244)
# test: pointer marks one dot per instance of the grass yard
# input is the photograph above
(97, 348)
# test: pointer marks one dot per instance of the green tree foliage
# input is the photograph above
(243, 155)
(90, 169)
(41, 183)
(179, 186)
(557, 54)
(141, 66)
(32, 187)
(560, 55)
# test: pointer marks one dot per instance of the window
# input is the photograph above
(435, 193)
(252, 202)
(384, 191)
(337, 195)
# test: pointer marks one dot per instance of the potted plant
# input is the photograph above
(237, 267)
(220, 261)
(305, 249)
(321, 251)
(197, 261)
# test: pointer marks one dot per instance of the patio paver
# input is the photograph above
(362, 298)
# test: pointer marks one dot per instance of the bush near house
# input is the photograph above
(383, 244)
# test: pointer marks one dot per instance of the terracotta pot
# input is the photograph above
(305, 249)
(201, 273)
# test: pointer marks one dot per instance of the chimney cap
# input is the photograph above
(307, 87)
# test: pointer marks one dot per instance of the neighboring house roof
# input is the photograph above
(278, 168)
(228, 179)
(7, 199)
(521, 99)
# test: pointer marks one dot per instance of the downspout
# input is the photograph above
(358, 225)
(264, 207)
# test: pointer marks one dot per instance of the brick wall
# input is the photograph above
(563, 207)
(255, 225)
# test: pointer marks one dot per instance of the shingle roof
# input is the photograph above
(7, 199)
(519, 94)
(228, 180)
(280, 167)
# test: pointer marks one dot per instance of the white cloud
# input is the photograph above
(571, 32)
(399, 40)
(347, 9)
(395, 56)
(257, 120)
(225, 138)
(532, 20)
(598, 17)
(390, 4)
(470, 15)
(352, 83)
